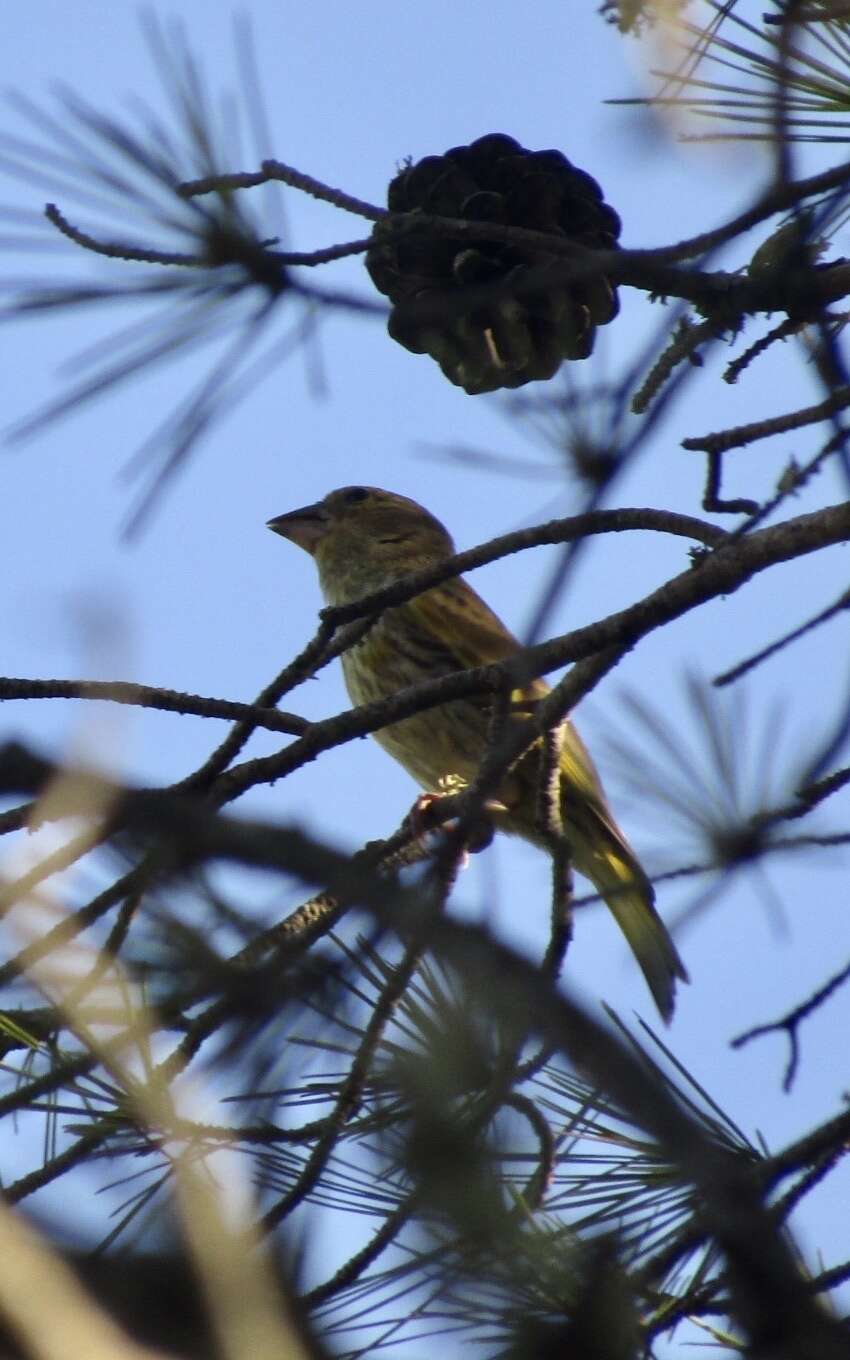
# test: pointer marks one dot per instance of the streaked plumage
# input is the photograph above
(363, 539)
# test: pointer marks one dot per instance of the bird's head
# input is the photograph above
(363, 538)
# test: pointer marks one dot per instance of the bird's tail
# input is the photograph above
(601, 853)
(610, 864)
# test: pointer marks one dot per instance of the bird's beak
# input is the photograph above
(305, 526)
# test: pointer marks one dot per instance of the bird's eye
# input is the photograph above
(355, 494)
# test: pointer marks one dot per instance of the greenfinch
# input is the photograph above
(363, 539)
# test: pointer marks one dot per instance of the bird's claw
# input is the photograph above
(421, 819)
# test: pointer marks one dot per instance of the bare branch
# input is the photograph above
(790, 1023)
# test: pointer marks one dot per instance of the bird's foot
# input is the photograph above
(431, 811)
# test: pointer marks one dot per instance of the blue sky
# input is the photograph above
(207, 600)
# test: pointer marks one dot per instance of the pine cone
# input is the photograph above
(441, 287)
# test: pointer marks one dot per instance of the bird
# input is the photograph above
(363, 539)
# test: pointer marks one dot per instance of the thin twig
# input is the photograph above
(735, 672)
(153, 696)
(711, 498)
(538, 1182)
(114, 250)
(272, 170)
(741, 435)
(790, 1023)
(361, 1260)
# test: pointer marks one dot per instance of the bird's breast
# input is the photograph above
(437, 743)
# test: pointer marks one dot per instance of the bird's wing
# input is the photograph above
(581, 776)
(475, 636)
(456, 616)
(470, 634)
